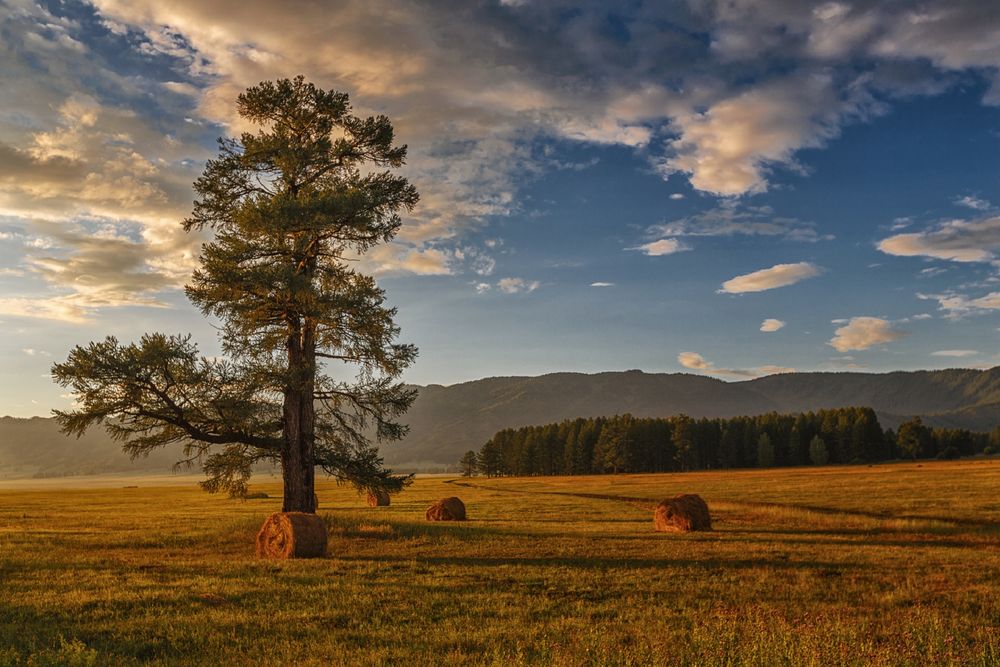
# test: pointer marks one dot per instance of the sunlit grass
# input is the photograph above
(861, 565)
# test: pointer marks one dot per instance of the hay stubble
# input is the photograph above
(888, 565)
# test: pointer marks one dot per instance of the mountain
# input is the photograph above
(35, 447)
(447, 421)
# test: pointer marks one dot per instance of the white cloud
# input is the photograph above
(677, 196)
(602, 284)
(955, 353)
(662, 247)
(862, 333)
(975, 203)
(516, 285)
(771, 325)
(959, 305)
(955, 240)
(779, 275)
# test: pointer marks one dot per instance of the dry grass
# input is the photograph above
(883, 565)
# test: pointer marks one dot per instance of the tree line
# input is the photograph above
(628, 444)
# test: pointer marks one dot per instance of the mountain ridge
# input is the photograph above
(447, 420)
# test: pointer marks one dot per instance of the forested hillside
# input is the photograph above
(624, 443)
(448, 421)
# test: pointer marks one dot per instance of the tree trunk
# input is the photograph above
(297, 462)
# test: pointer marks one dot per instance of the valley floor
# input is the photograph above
(884, 565)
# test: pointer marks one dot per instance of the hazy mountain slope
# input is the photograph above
(447, 421)
(903, 393)
(35, 446)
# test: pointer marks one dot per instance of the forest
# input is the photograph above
(627, 444)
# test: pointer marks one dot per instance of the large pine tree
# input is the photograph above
(290, 205)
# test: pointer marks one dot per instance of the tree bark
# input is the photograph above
(297, 460)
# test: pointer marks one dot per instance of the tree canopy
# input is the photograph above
(310, 371)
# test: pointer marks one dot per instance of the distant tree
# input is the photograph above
(683, 441)
(611, 450)
(765, 451)
(290, 206)
(817, 451)
(491, 459)
(469, 464)
(912, 438)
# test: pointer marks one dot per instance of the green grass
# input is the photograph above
(876, 565)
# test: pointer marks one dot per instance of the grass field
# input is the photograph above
(893, 564)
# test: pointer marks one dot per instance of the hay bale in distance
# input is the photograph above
(292, 535)
(447, 509)
(681, 514)
(378, 498)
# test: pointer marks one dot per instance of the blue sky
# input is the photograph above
(733, 189)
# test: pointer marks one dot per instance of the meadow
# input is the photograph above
(870, 565)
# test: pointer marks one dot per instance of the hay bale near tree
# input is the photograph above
(292, 535)
(447, 509)
(378, 498)
(681, 514)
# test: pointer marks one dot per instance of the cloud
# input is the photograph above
(677, 196)
(955, 240)
(426, 262)
(779, 275)
(862, 333)
(974, 203)
(695, 361)
(730, 148)
(732, 217)
(957, 305)
(602, 284)
(771, 325)
(661, 247)
(87, 269)
(723, 93)
(955, 353)
(517, 285)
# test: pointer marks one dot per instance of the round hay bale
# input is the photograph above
(378, 498)
(447, 509)
(292, 535)
(681, 514)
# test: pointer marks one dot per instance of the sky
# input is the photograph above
(731, 188)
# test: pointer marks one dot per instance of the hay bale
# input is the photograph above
(292, 535)
(681, 514)
(447, 509)
(378, 498)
